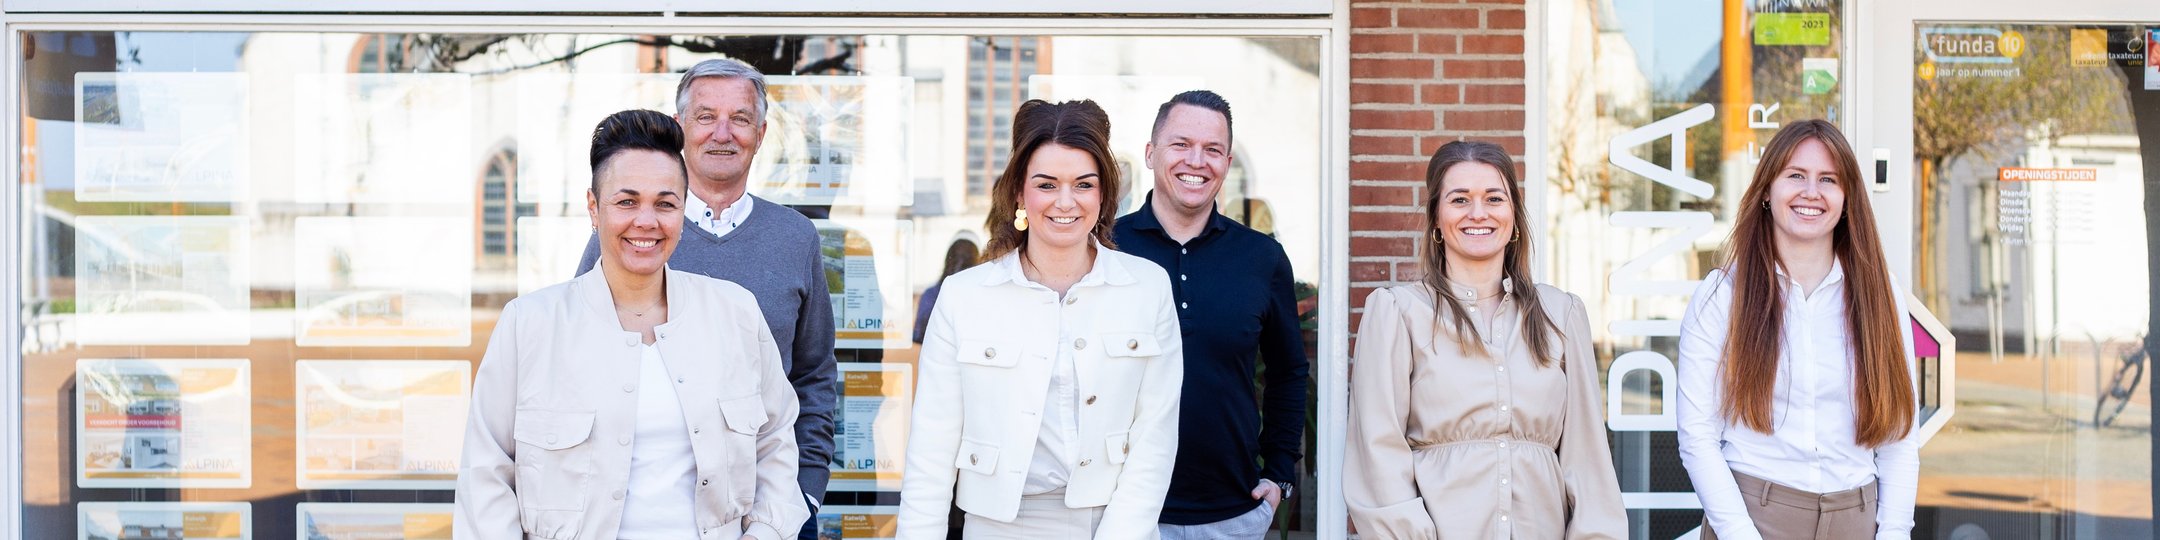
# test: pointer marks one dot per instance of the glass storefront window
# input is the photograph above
(1656, 112)
(2034, 208)
(261, 266)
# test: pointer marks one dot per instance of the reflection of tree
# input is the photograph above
(2145, 119)
(1956, 117)
(423, 53)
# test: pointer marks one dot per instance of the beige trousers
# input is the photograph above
(1784, 513)
(1042, 517)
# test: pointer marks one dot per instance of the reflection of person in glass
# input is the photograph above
(1238, 310)
(958, 256)
(635, 401)
(1474, 405)
(770, 249)
(1050, 374)
(1796, 392)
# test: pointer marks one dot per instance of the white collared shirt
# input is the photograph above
(722, 222)
(1811, 444)
(1050, 468)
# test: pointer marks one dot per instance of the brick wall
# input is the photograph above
(1422, 73)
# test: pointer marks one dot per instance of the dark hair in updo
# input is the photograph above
(635, 129)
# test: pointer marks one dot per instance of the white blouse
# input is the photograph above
(662, 469)
(1811, 446)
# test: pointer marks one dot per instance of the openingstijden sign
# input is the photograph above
(2024, 174)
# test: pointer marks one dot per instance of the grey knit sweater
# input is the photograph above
(774, 254)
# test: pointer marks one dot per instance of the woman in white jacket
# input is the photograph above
(633, 401)
(1047, 406)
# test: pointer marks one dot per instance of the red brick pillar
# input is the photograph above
(1422, 73)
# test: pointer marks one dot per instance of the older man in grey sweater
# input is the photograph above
(770, 249)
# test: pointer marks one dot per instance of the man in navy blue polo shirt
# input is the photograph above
(1236, 460)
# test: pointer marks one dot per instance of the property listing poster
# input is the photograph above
(858, 522)
(395, 138)
(161, 280)
(163, 520)
(380, 424)
(373, 521)
(870, 436)
(161, 137)
(818, 135)
(162, 423)
(865, 274)
(383, 281)
(557, 113)
(2152, 59)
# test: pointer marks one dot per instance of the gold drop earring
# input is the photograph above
(1020, 219)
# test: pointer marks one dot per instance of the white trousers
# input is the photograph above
(1042, 517)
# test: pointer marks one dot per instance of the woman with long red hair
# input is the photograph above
(1796, 386)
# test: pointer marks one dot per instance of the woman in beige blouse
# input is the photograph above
(1476, 414)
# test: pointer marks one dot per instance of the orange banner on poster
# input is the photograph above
(2023, 174)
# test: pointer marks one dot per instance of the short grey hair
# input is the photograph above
(722, 68)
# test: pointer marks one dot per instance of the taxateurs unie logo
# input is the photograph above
(1970, 52)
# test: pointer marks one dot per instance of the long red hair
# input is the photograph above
(1882, 388)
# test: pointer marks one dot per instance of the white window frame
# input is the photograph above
(1331, 367)
(744, 7)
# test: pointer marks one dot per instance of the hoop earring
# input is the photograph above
(1766, 205)
(1518, 235)
(1020, 219)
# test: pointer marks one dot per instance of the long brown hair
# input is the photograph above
(1882, 389)
(1515, 263)
(1079, 125)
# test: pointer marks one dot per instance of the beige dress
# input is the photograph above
(1448, 445)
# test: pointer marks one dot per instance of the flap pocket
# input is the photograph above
(1131, 345)
(552, 430)
(988, 353)
(976, 457)
(1117, 446)
(744, 414)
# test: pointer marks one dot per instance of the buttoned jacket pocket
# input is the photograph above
(1117, 446)
(988, 353)
(1137, 345)
(554, 465)
(977, 457)
(744, 417)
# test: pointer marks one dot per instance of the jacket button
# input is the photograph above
(625, 440)
(1091, 400)
(1084, 463)
(629, 388)
(618, 494)
(971, 459)
(989, 352)
(705, 482)
(551, 438)
(1079, 344)
(1070, 299)
(1132, 345)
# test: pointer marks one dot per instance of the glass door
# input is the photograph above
(2035, 202)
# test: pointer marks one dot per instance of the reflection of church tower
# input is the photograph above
(1004, 64)
(498, 213)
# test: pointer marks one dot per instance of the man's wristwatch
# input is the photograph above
(1287, 488)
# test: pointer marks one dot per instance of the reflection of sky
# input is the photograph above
(179, 51)
(1671, 38)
